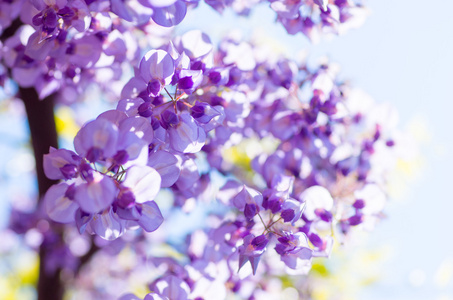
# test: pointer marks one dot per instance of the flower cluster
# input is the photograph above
(63, 46)
(108, 185)
(282, 207)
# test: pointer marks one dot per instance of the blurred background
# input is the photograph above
(403, 55)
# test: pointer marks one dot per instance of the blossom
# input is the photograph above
(251, 250)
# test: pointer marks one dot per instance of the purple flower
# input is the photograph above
(150, 216)
(359, 204)
(172, 287)
(292, 210)
(251, 250)
(250, 210)
(189, 174)
(167, 165)
(86, 51)
(196, 44)
(322, 3)
(315, 240)
(131, 11)
(61, 164)
(143, 182)
(287, 9)
(316, 197)
(187, 136)
(171, 15)
(97, 140)
(59, 202)
(107, 225)
(156, 67)
(247, 196)
(294, 250)
(204, 113)
(96, 195)
(355, 219)
(286, 124)
(189, 80)
(157, 3)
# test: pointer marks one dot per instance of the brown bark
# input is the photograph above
(43, 134)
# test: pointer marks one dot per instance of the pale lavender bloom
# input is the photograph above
(38, 47)
(10, 11)
(325, 249)
(61, 164)
(237, 107)
(292, 210)
(41, 4)
(219, 76)
(230, 189)
(131, 151)
(287, 9)
(135, 133)
(82, 220)
(204, 113)
(29, 76)
(131, 11)
(252, 250)
(78, 15)
(272, 165)
(139, 126)
(172, 287)
(294, 26)
(122, 10)
(97, 194)
(157, 3)
(132, 89)
(286, 124)
(294, 250)
(189, 174)
(153, 296)
(171, 15)
(247, 196)
(322, 3)
(316, 197)
(59, 205)
(282, 184)
(189, 80)
(150, 216)
(130, 106)
(195, 43)
(167, 165)
(129, 297)
(217, 121)
(114, 116)
(107, 225)
(143, 181)
(156, 69)
(241, 55)
(187, 136)
(85, 51)
(218, 5)
(96, 140)
(150, 296)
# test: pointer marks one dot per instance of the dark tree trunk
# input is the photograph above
(43, 133)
